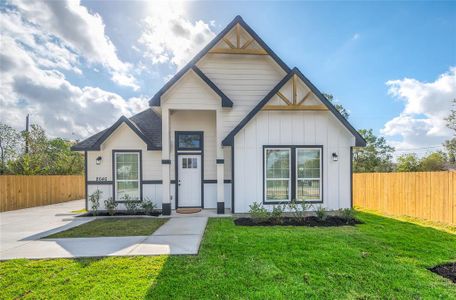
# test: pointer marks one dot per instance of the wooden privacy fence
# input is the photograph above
(426, 195)
(18, 191)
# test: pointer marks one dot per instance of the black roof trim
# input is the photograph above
(359, 140)
(94, 142)
(226, 102)
(155, 101)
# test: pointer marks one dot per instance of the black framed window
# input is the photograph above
(189, 140)
(292, 172)
(308, 174)
(277, 174)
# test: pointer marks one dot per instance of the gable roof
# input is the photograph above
(155, 101)
(226, 102)
(359, 140)
(146, 124)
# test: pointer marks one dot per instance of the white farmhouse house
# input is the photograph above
(235, 126)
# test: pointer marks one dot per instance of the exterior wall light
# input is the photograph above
(335, 156)
(99, 160)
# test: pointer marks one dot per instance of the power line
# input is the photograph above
(422, 148)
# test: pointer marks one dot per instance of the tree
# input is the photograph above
(375, 157)
(450, 145)
(434, 162)
(9, 146)
(47, 156)
(344, 112)
(408, 163)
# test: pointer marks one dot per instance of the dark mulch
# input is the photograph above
(154, 213)
(446, 270)
(310, 221)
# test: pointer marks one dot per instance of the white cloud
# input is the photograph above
(80, 31)
(427, 104)
(28, 85)
(169, 36)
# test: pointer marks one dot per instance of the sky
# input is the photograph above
(77, 66)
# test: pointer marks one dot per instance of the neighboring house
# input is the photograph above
(242, 126)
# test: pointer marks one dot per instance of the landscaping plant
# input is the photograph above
(258, 212)
(111, 206)
(298, 210)
(148, 206)
(321, 212)
(276, 214)
(130, 204)
(94, 199)
(347, 213)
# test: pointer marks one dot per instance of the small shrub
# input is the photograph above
(277, 213)
(94, 199)
(258, 212)
(347, 213)
(148, 206)
(298, 210)
(111, 206)
(321, 213)
(130, 204)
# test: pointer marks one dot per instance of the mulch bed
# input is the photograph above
(155, 213)
(310, 221)
(446, 270)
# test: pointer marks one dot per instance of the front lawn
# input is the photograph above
(112, 227)
(381, 259)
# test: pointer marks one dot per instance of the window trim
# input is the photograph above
(114, 175)
(293, 175)
(320, 178)
(290, 175)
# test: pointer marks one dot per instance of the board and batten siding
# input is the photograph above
(245, 79)
(123, 138)
(292, 128)
(190, 92)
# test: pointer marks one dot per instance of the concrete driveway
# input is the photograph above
(21, 231)
(20, 227)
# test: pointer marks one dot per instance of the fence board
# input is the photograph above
(425, 195)
(18, 191)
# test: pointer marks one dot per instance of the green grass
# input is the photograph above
(112, 227)
(381, 259)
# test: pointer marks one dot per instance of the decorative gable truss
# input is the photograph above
(279, 99)
(236, 38)
(295, 95)
(238, 41)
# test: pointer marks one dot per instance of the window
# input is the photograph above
(277, 174)
(292, 172)
(308, 174)
(127, 175)
(189, 141)
(189, 163)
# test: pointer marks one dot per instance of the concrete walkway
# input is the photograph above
(21, 231)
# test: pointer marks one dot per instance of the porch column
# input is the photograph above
(220, 163)
(166, 162)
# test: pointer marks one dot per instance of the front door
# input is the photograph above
(189, 180)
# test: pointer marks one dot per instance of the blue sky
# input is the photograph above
(390, 63)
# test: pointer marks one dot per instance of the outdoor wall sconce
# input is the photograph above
(99, 160)
(335, 157)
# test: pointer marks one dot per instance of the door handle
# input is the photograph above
(178, 182)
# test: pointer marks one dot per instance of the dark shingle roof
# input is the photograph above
(146, 124)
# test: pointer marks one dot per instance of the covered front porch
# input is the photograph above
(194, 164)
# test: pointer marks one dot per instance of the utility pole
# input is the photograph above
(27, 133)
